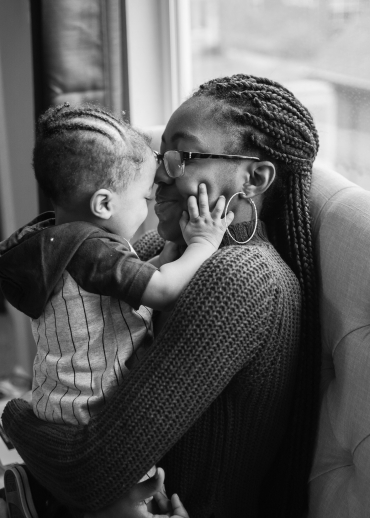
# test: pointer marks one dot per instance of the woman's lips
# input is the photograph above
(162, 205)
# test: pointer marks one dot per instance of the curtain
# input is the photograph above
(79, 55)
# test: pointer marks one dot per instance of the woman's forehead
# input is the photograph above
(194, 123)
(197, 110)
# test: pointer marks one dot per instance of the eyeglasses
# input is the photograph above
(174, 161)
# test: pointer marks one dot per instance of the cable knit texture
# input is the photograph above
(211, 398)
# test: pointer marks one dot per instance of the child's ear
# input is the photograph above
(101, 203)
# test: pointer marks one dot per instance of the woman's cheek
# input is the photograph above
(170, 229)
(187, 185)
(191, 188)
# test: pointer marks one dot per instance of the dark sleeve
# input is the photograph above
(108, 267)
(218, 326)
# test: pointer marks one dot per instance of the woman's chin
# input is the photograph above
(170, 231)
(169, 214)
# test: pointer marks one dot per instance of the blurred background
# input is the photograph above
(145, 57)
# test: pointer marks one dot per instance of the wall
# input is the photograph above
(159, 58)
(159, 64)
(17, 90)
(18, 194)
(353, 150)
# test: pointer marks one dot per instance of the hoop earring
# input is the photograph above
(255, 219)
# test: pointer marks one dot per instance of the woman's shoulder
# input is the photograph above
(255, 256)
(256, 266)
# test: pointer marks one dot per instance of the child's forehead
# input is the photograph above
(148, 166)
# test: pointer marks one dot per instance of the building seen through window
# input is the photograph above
(319, 49)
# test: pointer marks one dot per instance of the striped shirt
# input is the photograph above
(85, 345)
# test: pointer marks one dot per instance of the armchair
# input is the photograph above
(340, 477)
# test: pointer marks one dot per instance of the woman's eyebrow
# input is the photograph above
(183, 134)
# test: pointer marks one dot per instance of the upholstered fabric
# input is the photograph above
(340, 478)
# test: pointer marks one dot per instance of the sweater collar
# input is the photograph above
(242, 231)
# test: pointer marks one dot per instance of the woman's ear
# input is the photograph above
(101, 204)
(258, 178)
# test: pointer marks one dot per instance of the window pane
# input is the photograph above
(320, 49)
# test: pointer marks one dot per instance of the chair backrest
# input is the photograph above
(340, 478)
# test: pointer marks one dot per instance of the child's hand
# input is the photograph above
(201, 226)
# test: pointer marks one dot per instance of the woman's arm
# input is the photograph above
(217, 327)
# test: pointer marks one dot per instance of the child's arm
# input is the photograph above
(203, 232)
(169, 254)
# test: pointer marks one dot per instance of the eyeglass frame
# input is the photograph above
(190, 155)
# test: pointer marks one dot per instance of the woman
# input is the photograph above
(226, 400)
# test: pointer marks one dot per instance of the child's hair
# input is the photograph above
(80, 149)
(268, 120)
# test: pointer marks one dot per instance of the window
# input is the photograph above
(301, 3)
(345, 6)
(323, 56)
(343, 10)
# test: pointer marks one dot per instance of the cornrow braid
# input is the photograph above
(271, 122)
(80, 149)
(85, 112)
(60, 126)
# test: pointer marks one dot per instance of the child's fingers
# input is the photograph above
(184, 220)
(219, 207)
(203, 200)
(148, 488)
(193, 208)
(229, 217)
(178, 508)
(164, 505)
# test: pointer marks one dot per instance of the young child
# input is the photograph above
(89, 296)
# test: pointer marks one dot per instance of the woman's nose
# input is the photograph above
(161, 176)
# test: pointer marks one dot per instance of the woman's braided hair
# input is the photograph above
(83, 148)
(268, 120)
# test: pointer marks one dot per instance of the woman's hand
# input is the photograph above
(132, 504)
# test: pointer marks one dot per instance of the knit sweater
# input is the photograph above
(210, 402)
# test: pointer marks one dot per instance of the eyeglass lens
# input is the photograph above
(173, 165)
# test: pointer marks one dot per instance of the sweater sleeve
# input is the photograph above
(221, 323)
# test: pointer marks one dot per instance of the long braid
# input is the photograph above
(274, 124)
